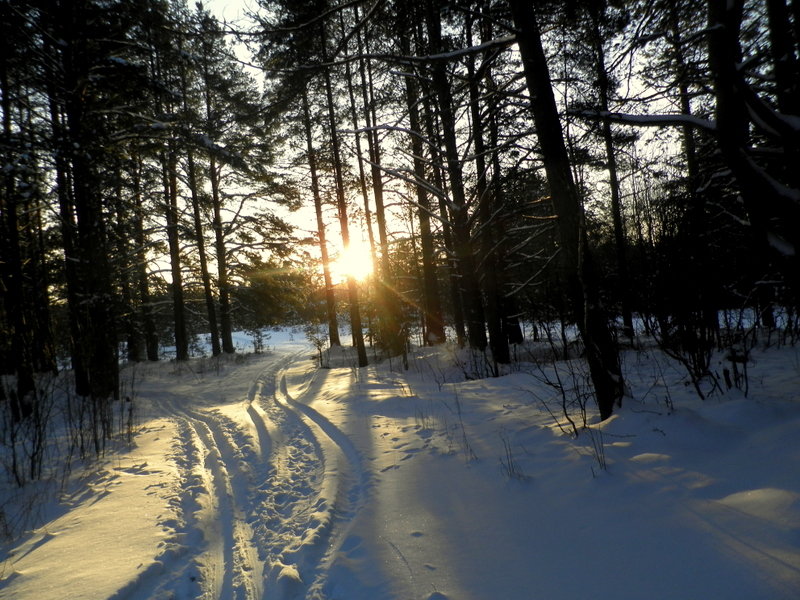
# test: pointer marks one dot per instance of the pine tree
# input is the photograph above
(578, 268)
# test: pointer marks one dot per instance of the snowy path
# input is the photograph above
(256, 493)
(266, 478)
(274, 486)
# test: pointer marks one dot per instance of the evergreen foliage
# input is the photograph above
(508, 162)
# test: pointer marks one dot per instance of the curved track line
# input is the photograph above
(223, 461)
(343, 489)
(273, 487)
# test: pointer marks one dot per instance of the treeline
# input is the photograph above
(582, 162)
(135, 150)
(511, 161)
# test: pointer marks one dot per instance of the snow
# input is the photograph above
(264, 476)
(653, 120)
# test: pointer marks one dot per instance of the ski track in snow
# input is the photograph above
(270, 488)
(264, 478)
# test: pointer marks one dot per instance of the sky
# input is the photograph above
(228, 10)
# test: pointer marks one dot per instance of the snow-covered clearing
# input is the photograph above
(268, 477)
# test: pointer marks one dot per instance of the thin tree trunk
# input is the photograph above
(509, 318)
(473, 304)
(341, 202)
(225, 321)
(67, 228)
(787, 89)
(35, 271)
(447, 235)
(705, 318)
(44, 353)
(489, 267)
(191, 177)
(432, 308)
(124, 273)
(391, 337)
(623, 277)
(170, 176)
(391, 327)
(142, 283)
(211, 309)
(362, 177)
(330, 296)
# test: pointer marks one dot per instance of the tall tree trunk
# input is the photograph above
(701, 315)
(785, 53)
(97, 341)
(785, 50)
(211, 309)
(124, 273)
(11, 271)
(444, 215)
(330, 296)
(623, 277)
(225, 321)
(32, 235)
(392, 337)
(429, 119)
(432, 308)
(578, 270)
(489, 266)
(142, 280)
(341, 202)
(473, 304)
(199, 230)
(362, 176)
(170, 176)
(91, 298)
(509, 317)
(44, 352)
(67, 229)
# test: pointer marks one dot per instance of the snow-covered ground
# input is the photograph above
(265, 476)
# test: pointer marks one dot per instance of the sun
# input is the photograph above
(354, 261)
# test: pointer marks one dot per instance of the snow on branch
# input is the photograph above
(649, 120)
(500, 42)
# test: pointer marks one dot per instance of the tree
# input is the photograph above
(432, 310)
(391, 334)
(578, 269)
(738, 107)
(463, 248)
(330, 300)
(599, 20)
(80, 100)
(341, 204)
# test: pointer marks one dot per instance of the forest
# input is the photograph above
(625, 169)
